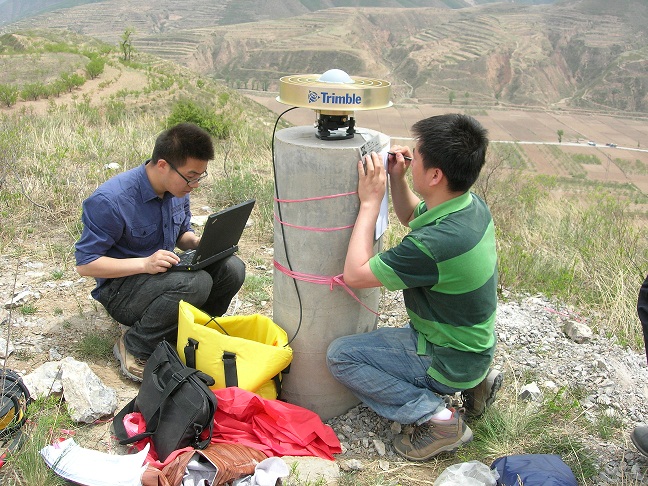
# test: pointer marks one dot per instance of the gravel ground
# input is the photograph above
(532, 343)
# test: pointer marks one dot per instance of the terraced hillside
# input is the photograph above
(587, 54)
(239, 11)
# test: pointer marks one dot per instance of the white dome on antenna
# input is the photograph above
(336, 76)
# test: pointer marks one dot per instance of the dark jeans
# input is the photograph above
(148, 304)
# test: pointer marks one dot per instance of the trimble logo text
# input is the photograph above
(333, 99)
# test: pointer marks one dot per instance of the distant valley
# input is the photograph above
(235, 11)
(588, 55)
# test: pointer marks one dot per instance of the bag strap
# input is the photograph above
(177, 379)
(190, 352)
(190, 361)
(277, 381)
(204, 443)
(229, 364)
(229, 360)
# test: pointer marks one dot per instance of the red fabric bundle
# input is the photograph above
(274, 427)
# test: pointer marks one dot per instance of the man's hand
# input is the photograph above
(160, 261)
(372, 183)
(398, 164)
(372, 179)
(107, 267)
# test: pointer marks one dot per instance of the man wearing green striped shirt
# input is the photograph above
(447, 269)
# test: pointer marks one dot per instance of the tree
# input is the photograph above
(8, 95)
(560, 135)
(57, 87)
(95, 67)
(32, 91)
(71, 81)
(223, 98)
(126, 43)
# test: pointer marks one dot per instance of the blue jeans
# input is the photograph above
(383, 370)
(148, 304)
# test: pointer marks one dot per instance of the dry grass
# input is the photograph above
(590, 255)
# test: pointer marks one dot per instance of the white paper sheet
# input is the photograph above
(378, 143)
(93, 468)
(383, 216)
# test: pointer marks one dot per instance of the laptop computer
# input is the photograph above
(220, 237)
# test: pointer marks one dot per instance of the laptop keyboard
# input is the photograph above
(186, 258)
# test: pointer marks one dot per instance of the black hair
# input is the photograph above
(454, 143)
(182, 141)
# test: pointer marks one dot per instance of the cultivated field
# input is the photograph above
(533, 130)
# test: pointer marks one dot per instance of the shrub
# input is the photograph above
(187, 111)
(95, 67)
(8, 94)
(71, 81)
(33, 91)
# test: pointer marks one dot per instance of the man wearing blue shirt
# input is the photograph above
(131, 225)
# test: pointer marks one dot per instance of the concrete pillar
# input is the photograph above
(307, 167)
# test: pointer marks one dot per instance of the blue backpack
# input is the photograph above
(533, 470)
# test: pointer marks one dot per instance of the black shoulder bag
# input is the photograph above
(176, 404)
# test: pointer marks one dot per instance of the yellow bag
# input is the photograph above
(245, 351)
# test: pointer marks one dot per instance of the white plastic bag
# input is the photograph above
(471, 473)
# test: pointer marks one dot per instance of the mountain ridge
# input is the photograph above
(578, 54)
(236, 11)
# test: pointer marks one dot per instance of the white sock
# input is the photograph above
(444, 414)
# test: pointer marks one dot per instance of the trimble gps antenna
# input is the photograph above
(334, 96)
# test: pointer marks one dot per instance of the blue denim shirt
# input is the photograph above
(124, 218)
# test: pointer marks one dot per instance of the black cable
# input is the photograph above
(213, 319)
(283, 233)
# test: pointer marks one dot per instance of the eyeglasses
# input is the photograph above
(188, 181)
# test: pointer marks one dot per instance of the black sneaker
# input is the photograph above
(433, 437)
(479, 398)
(639, 438)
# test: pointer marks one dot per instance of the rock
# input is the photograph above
(380, 447)
(199, 220)
(530, 392)
(87, 398)
(21, 298)
(351, 465)
(54, 355)
(5, 348)
(550, 385)
(44, 380)
(578, 332)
